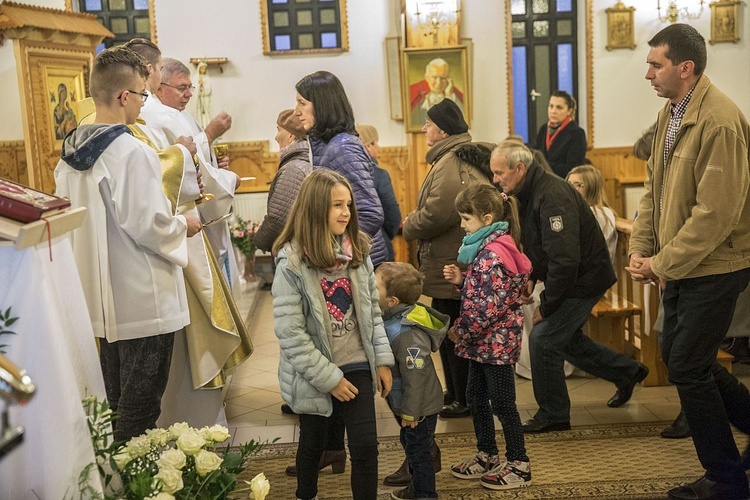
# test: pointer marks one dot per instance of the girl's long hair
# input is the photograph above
(307, 223)
(593, 185)
(480, 199)
(332, 109)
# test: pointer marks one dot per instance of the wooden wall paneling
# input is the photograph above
(13, 162)
(396, 161)
(620, 168)
(252, 159)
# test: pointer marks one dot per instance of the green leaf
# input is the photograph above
(10, 321)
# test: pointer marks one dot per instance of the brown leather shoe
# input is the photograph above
(336, 459)
(402, 477)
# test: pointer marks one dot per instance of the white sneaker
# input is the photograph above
(515, 474)
(474, 467)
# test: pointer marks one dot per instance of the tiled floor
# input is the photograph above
(253, 400)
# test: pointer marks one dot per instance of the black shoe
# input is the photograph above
(737, 347)
(404, 494)
(448, 398)
(625, 392)
(679, 429)
(336, 459)
(705, 489)
(534, 426)
(455, 410)
(287, 410)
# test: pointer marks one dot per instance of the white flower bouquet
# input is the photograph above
(176, 463)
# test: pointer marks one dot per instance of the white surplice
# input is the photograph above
(130, 250)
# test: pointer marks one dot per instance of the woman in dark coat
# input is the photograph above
(561, 140)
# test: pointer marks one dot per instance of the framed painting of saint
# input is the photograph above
(63, 87)
(431, 75)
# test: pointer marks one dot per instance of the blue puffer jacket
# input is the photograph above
(303, 326)
(346, 155)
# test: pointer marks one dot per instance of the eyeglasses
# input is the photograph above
(144, 95)
(182, 88)
(577, 185)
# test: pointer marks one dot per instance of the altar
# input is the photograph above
(54, 342)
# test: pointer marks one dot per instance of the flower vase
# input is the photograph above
(250, 268)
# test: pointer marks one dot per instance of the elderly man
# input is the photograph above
(436, 86)
(567, 250)
(216, 338)
(167, 121)
(692, 234)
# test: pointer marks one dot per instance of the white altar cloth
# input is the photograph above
(54, 342)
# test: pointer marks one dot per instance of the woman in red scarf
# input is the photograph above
(561, 140)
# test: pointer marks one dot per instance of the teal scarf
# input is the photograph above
(472, 242)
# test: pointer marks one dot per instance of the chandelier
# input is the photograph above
(674, 13)
(435, 16)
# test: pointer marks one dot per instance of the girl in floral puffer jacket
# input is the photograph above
(488, 332)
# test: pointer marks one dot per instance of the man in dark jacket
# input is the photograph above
(567, 250)
(436, 226)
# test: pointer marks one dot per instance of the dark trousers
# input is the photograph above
(135, 377)
(455, 369)
(697, 315)
(359, 420)
(418, 443)
(492, 389)
(560, 338)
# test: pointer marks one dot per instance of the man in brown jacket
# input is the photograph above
(692, 234)
(436, 226)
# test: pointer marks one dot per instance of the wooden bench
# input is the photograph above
(608, 322)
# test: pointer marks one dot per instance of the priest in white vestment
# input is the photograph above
(215, 340)
(167, 120)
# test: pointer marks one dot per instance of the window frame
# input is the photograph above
(74, 6)
(268, 32)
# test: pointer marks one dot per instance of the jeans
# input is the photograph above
(418, 443)
(135, 377)
(697, 315)
(359, 420)
(560, 338)
(495, 384)
(455, 369)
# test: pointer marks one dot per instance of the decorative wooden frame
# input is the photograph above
(415, 62)
(151, 16)
(620, 31)
(724, 22)
(62, 115)
(266, 33)
(393, 62)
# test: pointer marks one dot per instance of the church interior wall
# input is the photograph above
(255, 87)
(624, 102)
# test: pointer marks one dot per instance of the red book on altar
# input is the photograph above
(25, 204)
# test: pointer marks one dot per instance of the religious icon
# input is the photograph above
(620, 33)
(724, 22)
(205, 94)
(64, 86)
(430, 77)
